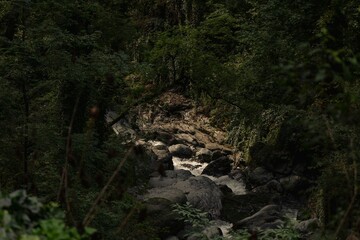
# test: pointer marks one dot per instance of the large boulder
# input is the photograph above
(218, 147)
(202, 193)
(180, 150)
(308, 225)
(217, 154)
(172, 177)
(172, 194)
(219, 167)
(159, 213)
(293, 183)
(164, 158)
(260, 176)
(273, 186)
(158, 145)
(268, 217)
(211, 232)
(204, 155)
(186, 138)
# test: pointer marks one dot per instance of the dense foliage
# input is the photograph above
(24, 217)
(281, 76)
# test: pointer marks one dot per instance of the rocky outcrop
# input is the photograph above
(204, 155)
(268, 217)
(180, 150)
(219, 167)
(159, 212)
(199, 191)
(202, 193)
(260, 176)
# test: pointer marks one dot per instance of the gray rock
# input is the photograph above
(237, 174)
(292, 183)
(211, 232)
(180, 150)
(172, 238)
(219, 167)
(273, 186)
(202, 193)
(158, 145)
(186, 138)
(260, 176)
(179, 174)
(308, 225)
(262, 219)
(159, 212)
(215, 146)
(273, 225)
(164, 158)
(158, 182)
(204, 155)
(172, 194)
(171, 178)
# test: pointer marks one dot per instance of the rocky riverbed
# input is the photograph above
(191, 162)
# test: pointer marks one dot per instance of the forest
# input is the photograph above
(179, 119)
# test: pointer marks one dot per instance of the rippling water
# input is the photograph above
(196, 169)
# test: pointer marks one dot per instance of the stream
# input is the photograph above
(183, 142)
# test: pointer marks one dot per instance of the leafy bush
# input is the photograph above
(191, 215)
(26, 218)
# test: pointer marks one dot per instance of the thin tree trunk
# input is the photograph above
(26, 135)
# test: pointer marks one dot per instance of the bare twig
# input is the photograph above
(329, 131)
(92, 212)
(355, 191)
(64, 177)
(127, 218)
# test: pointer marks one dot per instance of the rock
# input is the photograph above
(179, 174)
(172, 177)
(158, 182)
(260, 176)
(204, 155)
(186, 138)
(159, 212)
(262, 219)
(219, 167)
(211, 232)
(158, 145)
(273, 186)
(292, 183)
(164, 137)
(215, 146)
(237, 187)
(208, 233)
(172, 238)
(172, 194)
(164, 157)
(217, 154)
(202, 193)
(237, 174)
(225, 189)
(353, 236)
(180, 150)
(272, 225)
(174, 102)
(308, 225)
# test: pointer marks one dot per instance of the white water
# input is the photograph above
(196, 169)
(237, 187)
